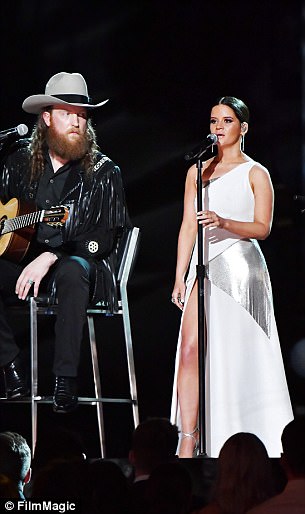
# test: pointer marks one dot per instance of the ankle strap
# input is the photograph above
(190, 434)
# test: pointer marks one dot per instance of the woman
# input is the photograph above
(246, 388)
(244, 476)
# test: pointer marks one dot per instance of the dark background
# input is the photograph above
(163, 65)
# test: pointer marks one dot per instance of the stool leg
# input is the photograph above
(34, 371)
(97, 384)
(130, 358)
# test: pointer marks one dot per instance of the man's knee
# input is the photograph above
(73, 270)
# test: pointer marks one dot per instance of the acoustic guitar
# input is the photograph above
(17, 226)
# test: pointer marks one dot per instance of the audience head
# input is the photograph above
(244, 477)
(15, 457)
(108, 488)
(169, 489)
(57, 443)
(61, 479)
(8, 488)
(293, 442)
(154, 441)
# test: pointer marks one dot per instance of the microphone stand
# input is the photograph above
(201, 273)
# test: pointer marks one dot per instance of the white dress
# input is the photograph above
(245, 383)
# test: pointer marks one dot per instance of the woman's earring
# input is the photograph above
(243, 129)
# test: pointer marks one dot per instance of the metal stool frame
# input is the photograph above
(39, 306)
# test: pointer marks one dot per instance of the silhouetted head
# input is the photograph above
(244, 473)
(154, 441)
(293, 442)
(169, 489)
(108, 488)
(57, 443)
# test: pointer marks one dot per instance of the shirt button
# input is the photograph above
(46, 241)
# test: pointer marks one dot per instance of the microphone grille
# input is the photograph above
(22, 129)
(213, 138)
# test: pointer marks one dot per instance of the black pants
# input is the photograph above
(71, 276)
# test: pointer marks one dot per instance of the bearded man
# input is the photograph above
(61, 165)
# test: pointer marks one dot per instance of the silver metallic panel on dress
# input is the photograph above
(241, 272)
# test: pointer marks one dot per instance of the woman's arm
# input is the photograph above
(186, 239)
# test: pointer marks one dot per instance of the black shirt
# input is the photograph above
(48, 195)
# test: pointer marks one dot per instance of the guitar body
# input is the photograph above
(14, 245)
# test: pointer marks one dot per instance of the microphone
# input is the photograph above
(211, 140)
(20, 130)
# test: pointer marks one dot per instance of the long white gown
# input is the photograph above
(245, 383)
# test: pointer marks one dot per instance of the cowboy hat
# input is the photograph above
(62, 89)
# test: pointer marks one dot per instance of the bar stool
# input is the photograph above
(42, 306)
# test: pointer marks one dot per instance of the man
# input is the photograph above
(292, 499)
(154, 442)
(15, 460)
(62, 165)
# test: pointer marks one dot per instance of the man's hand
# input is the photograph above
(33, 274)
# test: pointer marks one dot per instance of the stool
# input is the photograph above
(42, 305)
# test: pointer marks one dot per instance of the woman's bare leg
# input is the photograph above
(188, 375)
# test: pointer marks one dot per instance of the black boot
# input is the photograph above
(65, 394)
(13, 380)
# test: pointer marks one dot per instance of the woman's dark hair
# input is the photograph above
(238, 106)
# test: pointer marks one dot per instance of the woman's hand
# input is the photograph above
(33, 274)
(178, 294)
(210, 219)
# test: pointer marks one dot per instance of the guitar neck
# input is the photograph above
(12, 224)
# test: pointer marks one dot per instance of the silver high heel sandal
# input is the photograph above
(192, 436)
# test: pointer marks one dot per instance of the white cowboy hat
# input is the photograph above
(62, 89)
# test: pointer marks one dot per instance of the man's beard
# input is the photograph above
(64, 148)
